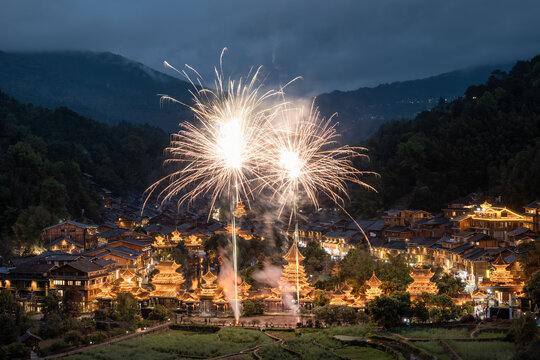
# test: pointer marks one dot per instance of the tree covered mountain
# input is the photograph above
(361, 112)
(110, 88)
(487, 141)
(101, 86)
(43, 155)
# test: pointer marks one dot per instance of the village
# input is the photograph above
(476, 242)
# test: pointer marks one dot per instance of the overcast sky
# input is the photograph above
(333, 44)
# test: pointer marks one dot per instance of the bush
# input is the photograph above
(98, 337)
(160, 313)
(523, 330)
(252, 307)
(336, 315)
(201, 328)
(72, 337)
(56, 347)
(18, 351)
(530, 352)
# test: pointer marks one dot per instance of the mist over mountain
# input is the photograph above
(111, 88)
(361, 112)
(102, 86)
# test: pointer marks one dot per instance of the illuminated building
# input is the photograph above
(421, 283)
(532, 216)
(82, 234)
(82, 275)
(64, 244)
(289, 273)
(240, 210)
(374, 287)
(338, 298)
(490, 220)
(166, 283)
(127, 282)
(502, 283)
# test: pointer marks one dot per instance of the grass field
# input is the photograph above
(359, 352)
(490, 334)
(433, 348)
(433, 333)
(478, 350)
(281, 334)
(274, 351)
(174, 344)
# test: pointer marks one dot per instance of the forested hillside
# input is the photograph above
(99, 85)
(43, 154)
(361, 112)
(488, 141)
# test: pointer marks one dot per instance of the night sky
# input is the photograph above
(332, 44)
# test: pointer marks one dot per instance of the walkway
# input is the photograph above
(157, 328)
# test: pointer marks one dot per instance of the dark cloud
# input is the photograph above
(332, 44)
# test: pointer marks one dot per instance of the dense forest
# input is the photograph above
(99, 85)
(486, 142)
(43, 155)
(361, 112)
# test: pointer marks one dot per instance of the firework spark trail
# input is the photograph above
(220, 154)
(303, 155)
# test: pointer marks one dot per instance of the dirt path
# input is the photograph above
(157, 328)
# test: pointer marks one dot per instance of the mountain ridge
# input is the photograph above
(111, 88)
(362, 111)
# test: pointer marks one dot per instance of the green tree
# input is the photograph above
(252, 307)
(18, 351)
(320, 298)
(51, 303)
(450, 285)
(357, 266)
(7, 302)
(316, 259)
(395, 270)
(53, 196)
(532, 288)
(389, 311)
(160, 313)
(127, 307)
(336, 315)
(523, 330)
(72, 302)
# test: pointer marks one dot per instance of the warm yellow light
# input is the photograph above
(231, 143)
(290, 161)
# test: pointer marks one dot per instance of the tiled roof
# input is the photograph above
(518, 231)
(112, 232)
(84, 265)
(398, 229)
(395, 245)
(534, 205)
(74, 223)
(132, 241)
(54, 242)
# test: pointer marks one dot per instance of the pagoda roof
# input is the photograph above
(346, 288)
(420, 273)
(167, 266)
(374, 280)
(500, 261)
(209, 276)
(244, 285)
(290, 256)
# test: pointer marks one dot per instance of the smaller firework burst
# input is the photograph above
(303, 156)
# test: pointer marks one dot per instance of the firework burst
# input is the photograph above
(303, 155)
(219, 154)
